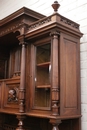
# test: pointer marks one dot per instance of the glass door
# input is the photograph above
(42, 76)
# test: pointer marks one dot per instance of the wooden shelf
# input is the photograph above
(43, 86)
(45, 64)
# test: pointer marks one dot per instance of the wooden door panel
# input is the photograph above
(10, 91)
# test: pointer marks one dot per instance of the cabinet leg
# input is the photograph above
(55, 123)
(20, 124)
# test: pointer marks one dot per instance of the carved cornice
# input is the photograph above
(10, 29)
(49, 19)
(20, 12)
(17, 20)
(54, 21)
(39, 23)
(69, 22)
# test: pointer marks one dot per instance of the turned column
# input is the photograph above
(20, 124)
(55, 73)
(22, 82)
(21, 115)
(55, 98)
(55, 123)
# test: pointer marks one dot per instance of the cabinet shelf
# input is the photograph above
(45, 64)
(43, 86)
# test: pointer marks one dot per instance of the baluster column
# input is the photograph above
(22, 82)
(21, 115)
(55, 72)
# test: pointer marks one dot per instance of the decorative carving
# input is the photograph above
(17, 73)
(55, 101)
(69, 22)
(55, 6)
(13, 95)
(41, 22)
(10, 29)
(21, 100)
(54, 33)
(21, 27)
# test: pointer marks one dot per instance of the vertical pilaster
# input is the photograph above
(55, 72)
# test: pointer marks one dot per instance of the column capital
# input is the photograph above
(21, 39)
(54, 32)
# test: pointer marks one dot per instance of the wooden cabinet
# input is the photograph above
(39, 72)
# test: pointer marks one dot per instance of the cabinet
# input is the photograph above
(39, 72)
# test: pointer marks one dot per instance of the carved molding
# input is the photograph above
(69, 22)
(10, 29)
(55, 101)
(21, 27)
(54, 33)
(40, 23)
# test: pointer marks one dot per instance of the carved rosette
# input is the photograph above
(13, 95)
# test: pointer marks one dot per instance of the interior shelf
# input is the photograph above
(43, 86)
(45, 64)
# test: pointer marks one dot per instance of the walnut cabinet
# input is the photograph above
(39, 71)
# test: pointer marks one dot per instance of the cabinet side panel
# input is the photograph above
(69, 75)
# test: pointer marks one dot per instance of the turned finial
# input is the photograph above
(55, 6)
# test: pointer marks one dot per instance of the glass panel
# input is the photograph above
(42, 78)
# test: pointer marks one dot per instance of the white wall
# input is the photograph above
(75, 10)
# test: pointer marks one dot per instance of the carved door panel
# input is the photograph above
(10, 91)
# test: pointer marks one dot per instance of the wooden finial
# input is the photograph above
(55, 6)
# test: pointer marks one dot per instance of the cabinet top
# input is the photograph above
(18, 18)
(32, 24)
(54, 21)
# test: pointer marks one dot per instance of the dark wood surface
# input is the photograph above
(39, 72)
